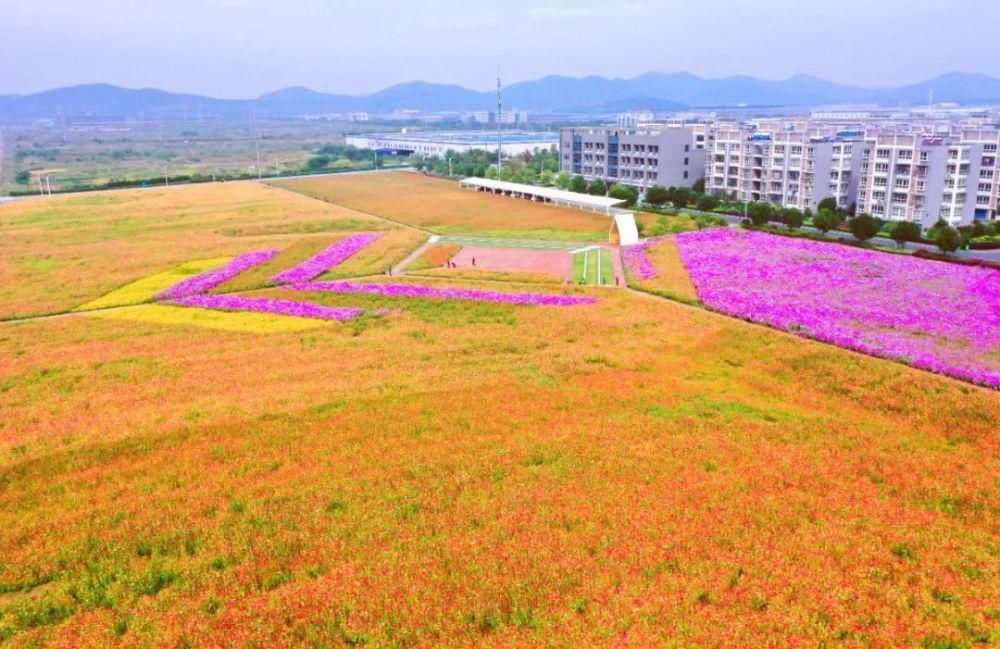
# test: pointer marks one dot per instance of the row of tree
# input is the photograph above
(862, 227)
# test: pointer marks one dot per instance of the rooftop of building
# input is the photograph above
(467, 137)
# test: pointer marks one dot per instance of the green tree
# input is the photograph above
(578, 184)
(828, 203)
(564, 181)
(545, 178)
(864, 226)
(491, 173)
(626, 193)
(904, 231)
(598, 188)
(316, 163)
(826, 220)
(792, 218)
(699, 186)
(682, 197)
(759, 213)
(707, 203)
(947, 239)
(657, 195)
(22, 177)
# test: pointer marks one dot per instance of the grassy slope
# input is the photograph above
(632, 471)
(631, 466)
(672, 280)
(441, 206)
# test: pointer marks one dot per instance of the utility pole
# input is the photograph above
(499, 126)
(259, 170)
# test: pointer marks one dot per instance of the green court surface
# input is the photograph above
(593, 266)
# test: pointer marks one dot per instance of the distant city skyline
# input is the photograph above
(243, 48)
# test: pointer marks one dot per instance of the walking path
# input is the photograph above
(401, 266)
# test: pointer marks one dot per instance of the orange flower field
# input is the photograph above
(634, 472)
(440, 206)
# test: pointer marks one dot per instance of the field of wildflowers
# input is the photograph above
(58, 254)
(265, 305)
(445, 293)
(333, 256)
(655, 266)
(462, 473)
(935, 316)
(210, 279)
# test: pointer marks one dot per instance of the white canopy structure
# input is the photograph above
(601, 204)
(625, 228)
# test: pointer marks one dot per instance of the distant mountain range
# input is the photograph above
(655, 91)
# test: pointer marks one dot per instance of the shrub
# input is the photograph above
(154, 581)
(759, 213)
(628, 194)
(864, 227)
(707, 203)
(904, 231)
(829, 203)
(826, 220)
(947, 239)
(578, 184)
(792, 218)
(657, 195)
(598, 188)
(317, 162)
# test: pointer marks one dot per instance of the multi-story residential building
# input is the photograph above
(784, 165)
(987, 193)
(653, 155)
(923, 178)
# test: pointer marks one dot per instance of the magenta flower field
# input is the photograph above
(267, 305)
(430, 292)
(333, 256)
(936, 316)
(637, 262)
(208, 280)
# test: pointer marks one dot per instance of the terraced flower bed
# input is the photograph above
(266, 305)
(935, 316)
(431, 292)
(204, 282)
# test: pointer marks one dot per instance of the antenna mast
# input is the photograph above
(499, 125)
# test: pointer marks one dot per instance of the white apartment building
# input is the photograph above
(784, 166)
(923, 178)
(653, 155)
(634, 119)
(987, 203)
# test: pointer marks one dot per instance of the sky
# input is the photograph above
(244, 48)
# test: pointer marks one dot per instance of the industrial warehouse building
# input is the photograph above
(436, 145)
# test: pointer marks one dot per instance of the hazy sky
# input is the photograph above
(242, 48)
